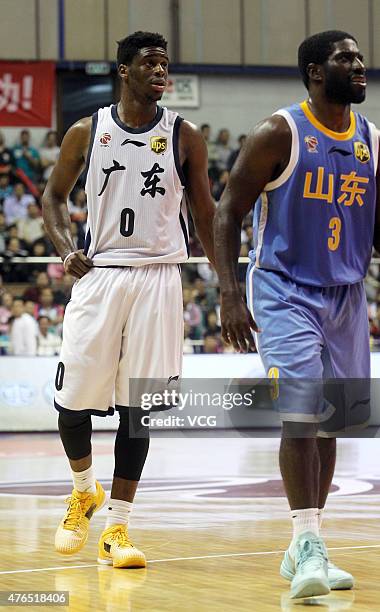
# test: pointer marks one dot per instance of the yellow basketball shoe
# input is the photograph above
(116, 549)
(72, 532)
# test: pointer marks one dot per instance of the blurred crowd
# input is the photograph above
(33, 296)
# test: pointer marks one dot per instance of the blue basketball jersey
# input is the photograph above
(315, 222)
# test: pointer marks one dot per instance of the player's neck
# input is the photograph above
(134, 113)
(335, 117)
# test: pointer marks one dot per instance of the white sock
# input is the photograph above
(320, 518)
(84, 481)
(303, 520)
(118, 512)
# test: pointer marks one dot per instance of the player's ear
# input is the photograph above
(315, 72)
(123, 71)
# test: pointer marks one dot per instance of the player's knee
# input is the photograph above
(75, 431)
(131, 444)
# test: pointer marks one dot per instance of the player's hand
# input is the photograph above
(238, 324)
(78, 264)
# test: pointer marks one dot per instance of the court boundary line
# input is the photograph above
(195, 558)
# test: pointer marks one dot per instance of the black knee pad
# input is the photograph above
(131, 444)
(75, 431)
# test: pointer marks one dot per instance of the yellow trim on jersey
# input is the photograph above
(322, 128)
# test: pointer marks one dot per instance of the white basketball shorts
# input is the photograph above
(120, 323)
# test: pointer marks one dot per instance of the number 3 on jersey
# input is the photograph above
(127, 222)
(335, 225)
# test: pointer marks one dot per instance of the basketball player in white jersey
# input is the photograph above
(125, 317)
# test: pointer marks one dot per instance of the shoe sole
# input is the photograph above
(73, 552)
(125, 565)
(339, 585)
(310, 588)
(342, 585)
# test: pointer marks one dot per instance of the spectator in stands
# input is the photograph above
(223, 149)
(204, 295)
(11, 231)
(206, 131)
(40, 187)
(6, 189)
(7, 160)
(5, 312)
(206, 272)
(244, 251)
(234, 154)
(62, 294)
(5, 317)
(46, 249)
(219, 185)
(249, 233)
(14, 273)
(211, 147)
(33, 293)
(48, 344)
(192, 314)
(212, 327)
(29, 307)
(187, 343)
(23, 333)
(30, 228)
(78, 207)
(49, 154)
(55, 271)
(212, 344)
(27, 157)
(15, 206)
(2, 232)
(47, 307)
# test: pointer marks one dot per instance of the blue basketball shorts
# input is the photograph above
(309, 335)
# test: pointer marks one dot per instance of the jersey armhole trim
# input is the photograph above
(176, 128)
(94, 125)
(375, 145)
(294, 152)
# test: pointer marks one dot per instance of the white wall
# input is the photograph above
(239, 102)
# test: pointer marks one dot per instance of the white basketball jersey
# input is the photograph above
(135, 192)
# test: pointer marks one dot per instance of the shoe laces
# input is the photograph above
(75, 511)
(310, 549)
(120, 537)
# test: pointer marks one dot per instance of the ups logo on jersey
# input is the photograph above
(158, 144)
(362, 152)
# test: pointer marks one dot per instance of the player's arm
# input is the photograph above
(376, 236)
(197, 185)
(263, 157)
(56, 217)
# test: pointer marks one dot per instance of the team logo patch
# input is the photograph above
(105, 138)
(158, 144)
(362, 152)
(311, 144)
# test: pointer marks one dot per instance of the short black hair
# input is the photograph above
(129, 47)
(317, 48)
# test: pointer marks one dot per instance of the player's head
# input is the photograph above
(142, 63)
(332, 60)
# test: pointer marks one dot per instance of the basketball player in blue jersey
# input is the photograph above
(315, 166)
(125, 317)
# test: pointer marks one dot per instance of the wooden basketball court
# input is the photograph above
(210, 516)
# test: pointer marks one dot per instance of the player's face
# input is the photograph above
(345, 80)
(148, 73)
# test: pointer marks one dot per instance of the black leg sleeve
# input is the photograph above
(131, 444)
(75, 431)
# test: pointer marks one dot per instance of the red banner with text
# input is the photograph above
(26, 93)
